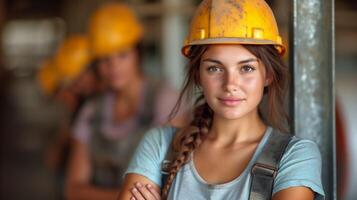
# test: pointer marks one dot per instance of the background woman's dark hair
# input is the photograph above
(271, 109)
(139, 48)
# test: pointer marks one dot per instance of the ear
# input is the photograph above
(268, 80)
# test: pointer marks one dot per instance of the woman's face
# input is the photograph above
(119, 69)
(232, 80)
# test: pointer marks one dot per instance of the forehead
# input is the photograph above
(234, 52)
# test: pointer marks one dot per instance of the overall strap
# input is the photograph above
(265, 169)
(97, 116)
(170, 155)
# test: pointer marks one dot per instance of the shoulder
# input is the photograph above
(165, 90)
(81, 128)
(150, 153)
(154, 145)
(87, 113)
(92, 103)
(301, 148)
(300, 166)
(88, 106)
(160, 136)
(300, 144)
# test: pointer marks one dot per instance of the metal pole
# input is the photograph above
(313, 64)
(173, 35)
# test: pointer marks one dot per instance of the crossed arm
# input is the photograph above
(137, 187)
(78, 180)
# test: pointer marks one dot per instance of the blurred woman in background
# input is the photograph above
(111, 124)
(66, 79)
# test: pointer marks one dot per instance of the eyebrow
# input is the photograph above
(240, 62)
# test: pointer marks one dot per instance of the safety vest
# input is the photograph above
(263, 171)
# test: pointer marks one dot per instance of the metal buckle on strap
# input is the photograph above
(165, 166)
(262, 169)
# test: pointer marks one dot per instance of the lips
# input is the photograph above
(230, 101)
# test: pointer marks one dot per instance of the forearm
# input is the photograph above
(130, 182)
(90, 192)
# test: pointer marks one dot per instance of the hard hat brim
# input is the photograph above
(225, 40)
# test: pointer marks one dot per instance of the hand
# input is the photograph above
(141, 192)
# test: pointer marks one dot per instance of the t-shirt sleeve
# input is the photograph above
(300, 166)
(148, 156)
(82, 125)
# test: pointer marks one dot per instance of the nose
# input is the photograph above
(231, 83)
(111, 60)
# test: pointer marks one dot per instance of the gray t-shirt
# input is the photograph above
(299, 166)
(113, 130)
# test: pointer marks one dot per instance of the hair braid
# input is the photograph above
(186, 141)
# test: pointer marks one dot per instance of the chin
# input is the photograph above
(117, 85)
(230, 114)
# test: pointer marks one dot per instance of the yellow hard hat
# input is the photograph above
(72, 57)
(47, 77)
(233, 22)
(113, 28)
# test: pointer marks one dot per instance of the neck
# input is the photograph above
(225, 132)
(127, 101)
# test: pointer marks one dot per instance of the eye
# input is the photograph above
(123, 55)
(247, 68)
(214, 69)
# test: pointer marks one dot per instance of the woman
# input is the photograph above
(66, 79)
(234, 52)
(110, 125)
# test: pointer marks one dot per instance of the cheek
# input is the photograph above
(121, 66)
(129, 65)
(210, 84)
(253, 86)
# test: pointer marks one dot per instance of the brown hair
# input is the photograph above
(273, 112)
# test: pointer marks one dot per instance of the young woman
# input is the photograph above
(234, 52)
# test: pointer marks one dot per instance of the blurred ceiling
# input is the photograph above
(32, 8)
(346, 13)
(352, 4)
(35, 8)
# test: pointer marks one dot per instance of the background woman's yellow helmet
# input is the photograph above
(233, 22)
(113, 28)
(72, 57)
